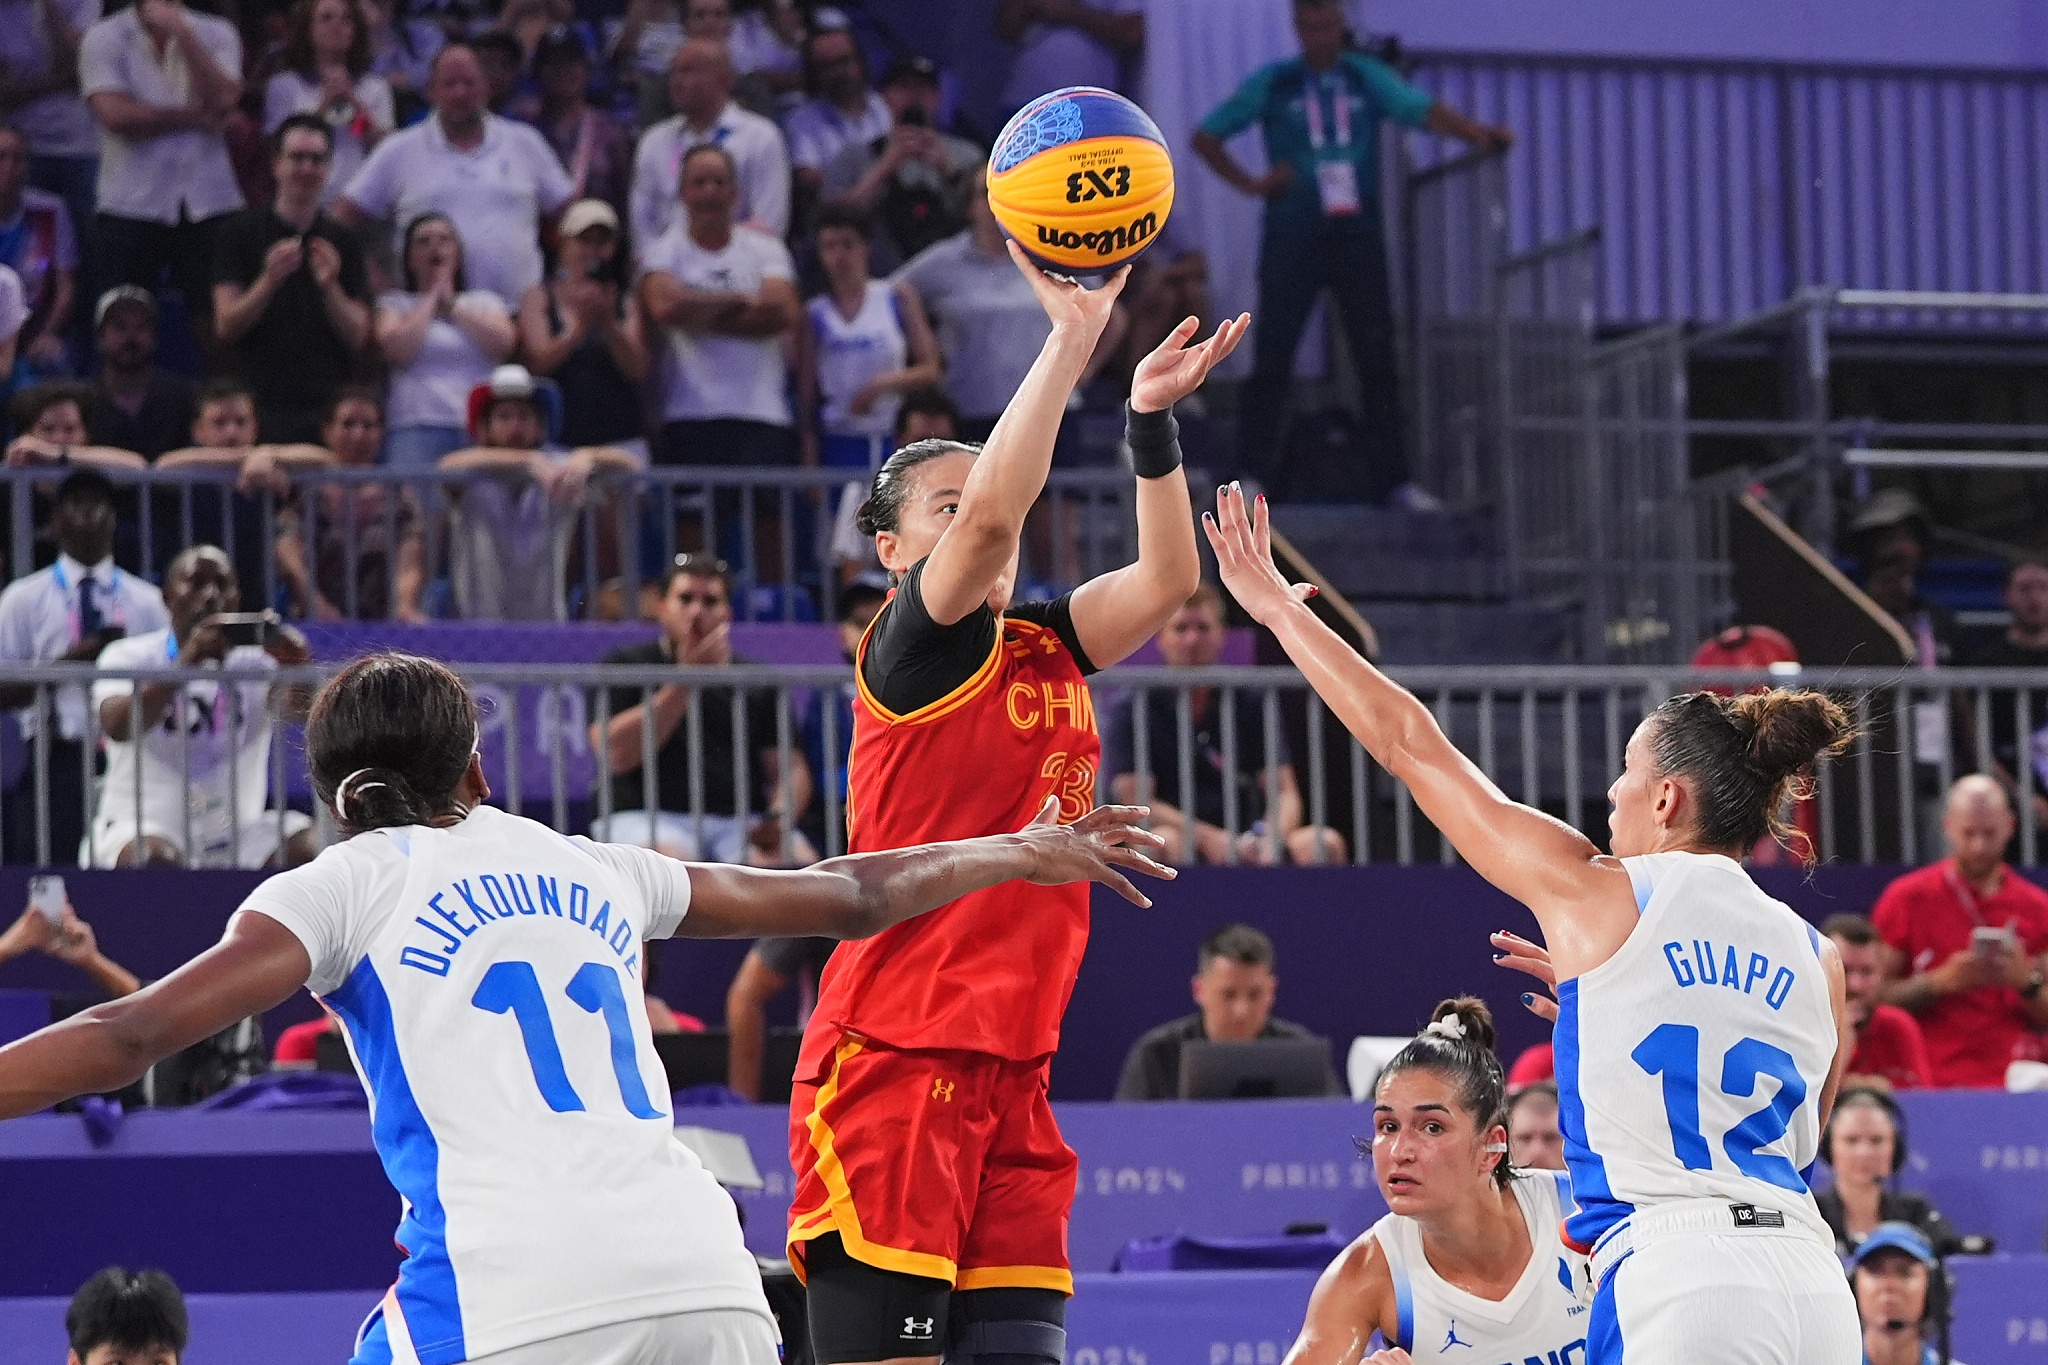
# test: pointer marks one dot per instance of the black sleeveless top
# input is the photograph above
(600, 405)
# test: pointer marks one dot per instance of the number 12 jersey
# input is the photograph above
(1690, 1064)
(487, 978)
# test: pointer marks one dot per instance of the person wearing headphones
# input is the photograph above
(1865, 1146)
(1902, 1298)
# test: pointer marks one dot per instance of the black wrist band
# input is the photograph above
(1154, 439)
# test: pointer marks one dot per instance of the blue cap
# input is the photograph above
(1894, 1237)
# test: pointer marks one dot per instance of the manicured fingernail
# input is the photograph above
(1500, 957)
(1262, 499)
(1528, 999)
(1237, 488)
(1313, 590)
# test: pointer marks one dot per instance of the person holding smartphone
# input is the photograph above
(1965, 942)
(188, 762)
(66, 613)
(51, 927)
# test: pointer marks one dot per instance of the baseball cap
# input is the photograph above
(911, 67)
(1894, 1237)
(121, 293)
(557, 44)
(586, 214)
(516, 381)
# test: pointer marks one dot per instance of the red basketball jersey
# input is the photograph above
(992, 971)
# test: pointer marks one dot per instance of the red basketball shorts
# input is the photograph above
(936, 1163)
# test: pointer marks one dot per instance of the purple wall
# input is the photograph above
(1361, 950)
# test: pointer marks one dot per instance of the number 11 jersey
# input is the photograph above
(487, 979)
(1690, 1064)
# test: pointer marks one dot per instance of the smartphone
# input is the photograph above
(246, 627)
(1988, 941)
(46, 897)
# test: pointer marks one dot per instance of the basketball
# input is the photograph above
(1081, 179)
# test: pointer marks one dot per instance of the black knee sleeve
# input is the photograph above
(1008, 1327)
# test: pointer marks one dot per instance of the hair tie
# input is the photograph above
(341, 791)
(1450, 1026)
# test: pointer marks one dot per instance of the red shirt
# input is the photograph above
(1891, 1046)
(992, 971)
(1538, 1063)
(1928, 916)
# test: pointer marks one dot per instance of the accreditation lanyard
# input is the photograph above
(210, 711)
(1336, 173)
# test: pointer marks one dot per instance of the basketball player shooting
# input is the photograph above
(1701, 1029)
(933, 1189)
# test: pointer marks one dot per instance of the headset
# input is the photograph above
(1937, 1313)
(1870, 1095)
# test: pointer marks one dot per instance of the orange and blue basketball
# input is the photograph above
(1082, 179)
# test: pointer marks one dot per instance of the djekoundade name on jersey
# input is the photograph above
(476, 903)
(1708, 965)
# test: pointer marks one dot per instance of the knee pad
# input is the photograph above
(1008, 1327)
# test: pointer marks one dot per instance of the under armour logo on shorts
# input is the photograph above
(942, 1090)
(917, 1329)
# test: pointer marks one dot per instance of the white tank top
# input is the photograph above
(1543, 1318)
(487, 980)
(1690, 1064)
(852, 353)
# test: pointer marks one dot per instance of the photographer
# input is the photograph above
(1902, 1298)
(70, 940)
(188, 762)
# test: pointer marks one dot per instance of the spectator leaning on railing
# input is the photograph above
(291, 294)
(1270, 826)
(37, 243)
(224, 437)
(51, 420)
(162, 81)
(497, 178)
(370, 530)
(441, 339)
(68, 612)
(1966, 938)
(510, 531)
(134, 405)
(197, 753)
(1888, 1039)
(738, 824)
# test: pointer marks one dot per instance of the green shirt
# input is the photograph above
(1276, 98)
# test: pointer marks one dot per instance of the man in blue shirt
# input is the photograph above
(1320, 115)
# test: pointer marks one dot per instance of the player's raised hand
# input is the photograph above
(1094, 847)
(1243, 543)
(1533, 959)
(1071, 306)
(1175, 369)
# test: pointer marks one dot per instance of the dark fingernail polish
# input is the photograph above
(1528, 999)
(1500, 957)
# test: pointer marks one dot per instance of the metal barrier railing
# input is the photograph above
(352, 525)
(1721, 187)
(1262, 765)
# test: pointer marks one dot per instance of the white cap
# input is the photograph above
(585, 214)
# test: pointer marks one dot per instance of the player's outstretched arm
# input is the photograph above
(1353, 1298)
(1119, 611)
(257, 965)
(1579, 895)
(865, 893)
(1009, 476)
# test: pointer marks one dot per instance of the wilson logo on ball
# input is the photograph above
(1107, 242)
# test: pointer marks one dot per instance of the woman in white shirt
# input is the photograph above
(441, 341)
(327, 71)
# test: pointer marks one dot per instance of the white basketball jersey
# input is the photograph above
(852, 353)
(1690, 1064)
(1543, 1318)
(488, 980)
